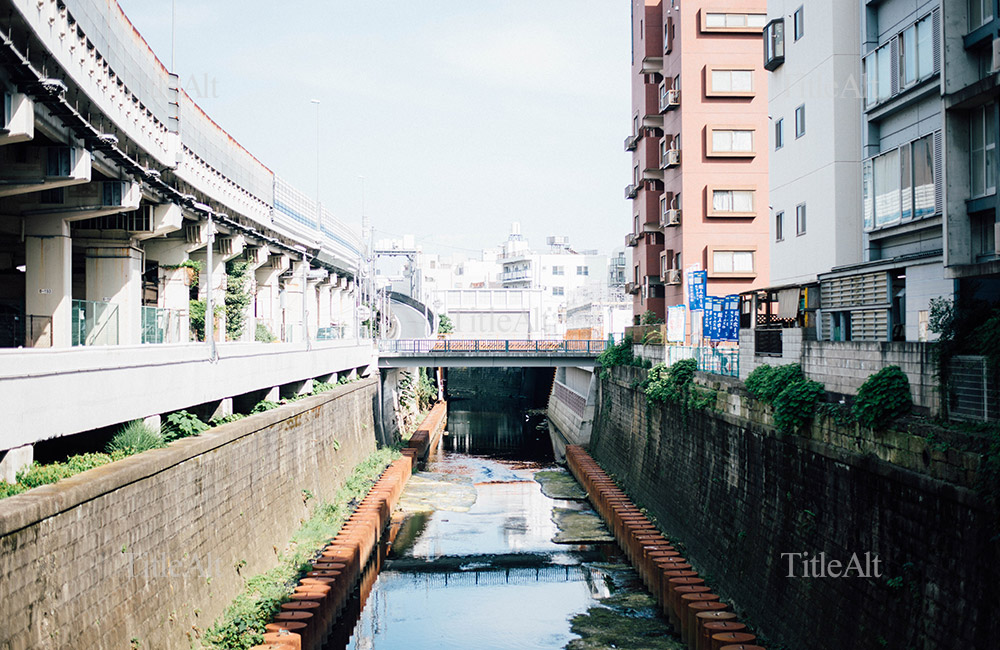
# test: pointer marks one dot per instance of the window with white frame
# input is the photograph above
(583, 270)
(558, 291)
(980, 13)
(899, 184)
(728, 141)
(712, 21)
(732, 262)
(558, 270)
(779, 134)
(729, 81)
(983, 151)
(726, 201)
(800, 219)
(800, 121)
(916, 52)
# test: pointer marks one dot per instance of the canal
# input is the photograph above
(494, 546)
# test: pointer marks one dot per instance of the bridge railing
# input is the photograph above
(493, 346)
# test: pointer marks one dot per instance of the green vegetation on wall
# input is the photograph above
(237, 298)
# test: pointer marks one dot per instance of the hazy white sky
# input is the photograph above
(461, 116)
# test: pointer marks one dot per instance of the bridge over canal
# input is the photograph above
(478, 353)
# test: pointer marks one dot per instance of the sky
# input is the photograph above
(461, 117)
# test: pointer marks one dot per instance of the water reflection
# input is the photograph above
(485, 575)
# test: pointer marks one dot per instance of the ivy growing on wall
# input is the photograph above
(237, 298)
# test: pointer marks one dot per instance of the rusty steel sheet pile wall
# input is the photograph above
(735, 494)
(153, 547)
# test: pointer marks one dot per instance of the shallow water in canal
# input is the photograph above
(472, 562)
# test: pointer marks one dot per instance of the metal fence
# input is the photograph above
(718, 361)
(161, 325)
(94, 323)
(973, 393)
(435, 346)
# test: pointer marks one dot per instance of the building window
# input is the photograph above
(800, 219)
(980, 13)
(732, 22)
(800, 121)
(730, 142)
(60, 161)
(983, 148)
(779, 134)
(559, 270)
(558, 291)
(635, 125)
(635, 175)
(726, 82)
(914, 57)
(583, 270)
(900, 184)
(728, 202)
(799, 20)
(774, 44)
(779, 226)
(728, 262)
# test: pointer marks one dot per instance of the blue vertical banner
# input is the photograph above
(712, 323)
(730, 318)
(697, 282)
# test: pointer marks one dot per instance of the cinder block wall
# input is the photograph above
(154, 547)
(737, 494)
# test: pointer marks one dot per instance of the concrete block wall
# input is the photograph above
(844, 365)
(155, 546)
(736, 495)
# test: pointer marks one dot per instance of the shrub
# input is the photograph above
(226, 419)
(10, 489)
(650, 318)
(322, 386)
(617, 355)
(83, 462)
(264, 405)
(134, 438)
(181, 424)
(883, 397)
(35, 474)
(445, 326)
(795, 406)
(263, 334)
(766, 382)
(663, 383)
(426, 390)
(237, 298)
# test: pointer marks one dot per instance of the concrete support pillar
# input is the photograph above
(293, 304)
(49, 278)
(114, 275)
(153, 422)
(217, 276)
(324, 312)
(14, 460)
(312, 306)
(297, 388)
(175, 287)
(223, 408)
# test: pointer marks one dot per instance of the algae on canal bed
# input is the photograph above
(430, 491)
(579, 527)
(627, 621)
(560, 484)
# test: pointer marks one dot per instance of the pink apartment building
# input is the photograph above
(699, 149)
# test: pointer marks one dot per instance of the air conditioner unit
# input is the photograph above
(996, 55)
(673, 276)
(672, 158)
(673, 98)
(672, 217)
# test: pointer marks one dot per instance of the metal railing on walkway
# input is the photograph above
(718, 361)
(94, 323)
(490, 346)
(161, 325)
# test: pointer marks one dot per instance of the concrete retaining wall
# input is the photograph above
(737, 495)
(155, 546)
